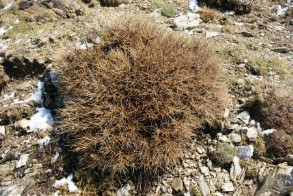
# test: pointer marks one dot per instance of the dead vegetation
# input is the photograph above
(276, 111)
(208, 14)
(3, 78)
(134, 102)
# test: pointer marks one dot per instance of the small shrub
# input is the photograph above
(260, 147)
(135, 100)
(208, 14)
(167, 9)
(280, 144)
(276, 111)
(111, 3)
(223, 155)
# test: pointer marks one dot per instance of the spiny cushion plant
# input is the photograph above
(276, 111)
(134, 101)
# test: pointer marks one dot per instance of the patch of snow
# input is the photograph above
(71, 186)
(38, 96)
(8, 6)
(2, 30)
(193, 5)
(55, 157)
(17, 101)
(81, 46)
(42, 120)
(16, 21)
(2, 130)
(267, 132)
(45, 141)
(10, 27)
(9, 96)
(281, 11)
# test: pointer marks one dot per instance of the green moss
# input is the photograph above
(223, 155)
(167, 9)
(197, 192)
(260, 147)
(257, 64)
(232, 81)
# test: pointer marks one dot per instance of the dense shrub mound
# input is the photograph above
(276, 111)
(134, 101)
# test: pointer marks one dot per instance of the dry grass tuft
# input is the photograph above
(3, 78)
(208, 14)
(134, 101)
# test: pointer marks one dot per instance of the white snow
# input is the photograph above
(193, 5)
(42, 120)
(2, 30)
(81, 46)
(16, 21)
(45, 141)
(267, 132)
(38, 96)
(281, 11)
(8, 6)
(55, 157)
(10, 27)
(9, 96)
(71, 186)
(2, 130)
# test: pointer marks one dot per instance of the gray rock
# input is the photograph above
(19, 186)
(279, 182)
(245, 152)
(247, 34)
(211, 34)
(204, 170)
(22, 160)
(188, 21)
(252, 133)
(226, 113)
(177, 184)
(203, 186)
(156, 13)
(228, 187)
(280, 49)
(235, 138)
(289, 159)
(235, 170)
(222, 138)
(186, 182)
(124, 191)
(244, 117)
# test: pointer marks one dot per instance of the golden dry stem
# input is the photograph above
(134, 102)
(209, 14)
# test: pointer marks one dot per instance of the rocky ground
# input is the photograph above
(257, 52)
